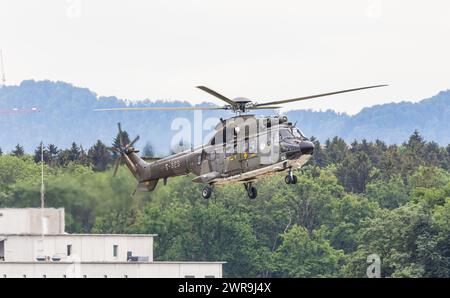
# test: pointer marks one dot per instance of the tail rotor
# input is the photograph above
(122, 150)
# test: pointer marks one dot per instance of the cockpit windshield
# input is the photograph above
(298, 133)
(286, 134)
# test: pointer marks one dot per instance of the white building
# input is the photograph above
(33, 244)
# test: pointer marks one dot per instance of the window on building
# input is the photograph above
(210, 276)
(69, 249)
(189, 276)
(115, 251)
(2, 250)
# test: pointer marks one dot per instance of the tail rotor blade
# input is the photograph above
(116, 166)
(120, 134)
(134, 141)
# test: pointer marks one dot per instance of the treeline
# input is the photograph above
(67, 114)
(351, 201)
(98, 157)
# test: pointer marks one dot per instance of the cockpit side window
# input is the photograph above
(219, 137)
(286, 134)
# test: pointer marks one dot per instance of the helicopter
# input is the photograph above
(244, 148)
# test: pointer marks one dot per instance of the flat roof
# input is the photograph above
(122, 262)
(79, 235)
(32, 208)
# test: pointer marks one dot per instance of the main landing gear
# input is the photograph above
(251, 190)
(290, 178)
(207, 191)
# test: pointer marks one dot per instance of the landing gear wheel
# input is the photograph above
(206, 192)
(294, 179)
(251, 190)
(290, 179)
(252, 193)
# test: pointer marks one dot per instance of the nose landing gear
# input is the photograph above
(251, 190)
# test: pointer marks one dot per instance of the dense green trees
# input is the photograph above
(99, 156)
(18, 151)
(350, 201)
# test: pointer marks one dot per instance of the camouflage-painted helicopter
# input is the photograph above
(243, 149)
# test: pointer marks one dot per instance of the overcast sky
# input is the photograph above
(263, 50)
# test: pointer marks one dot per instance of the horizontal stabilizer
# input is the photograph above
(147, 185)
(151, 159)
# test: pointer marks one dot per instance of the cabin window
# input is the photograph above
(69, 250)
(224, 135)
(115, 250)
(2, 250)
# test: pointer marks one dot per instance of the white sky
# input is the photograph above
(263, 50)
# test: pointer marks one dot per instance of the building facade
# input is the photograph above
(33, 244)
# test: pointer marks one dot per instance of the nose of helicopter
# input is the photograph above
(307, 147)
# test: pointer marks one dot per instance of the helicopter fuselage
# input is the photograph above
(244, 158)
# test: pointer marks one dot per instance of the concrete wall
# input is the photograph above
(85, 247)
(111, 270)
(31, 221)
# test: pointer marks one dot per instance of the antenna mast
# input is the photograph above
(43, 222)
(42, 177)
(2, 69)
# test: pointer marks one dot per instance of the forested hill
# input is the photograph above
(67, 115)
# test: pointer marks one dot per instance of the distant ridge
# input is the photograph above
(67, 115)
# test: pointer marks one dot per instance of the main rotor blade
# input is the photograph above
(315, 96)
(16, 110)
(162, 109)
(219, 96)
(134, 141)
(265, 108)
